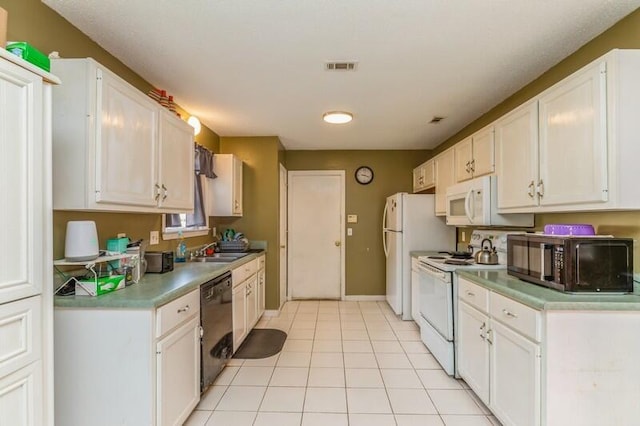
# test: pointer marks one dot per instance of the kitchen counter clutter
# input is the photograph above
(155, 290)
(542, 298)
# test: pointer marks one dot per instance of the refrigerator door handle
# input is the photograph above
(384, 231)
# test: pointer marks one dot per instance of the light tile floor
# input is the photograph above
(344, 363)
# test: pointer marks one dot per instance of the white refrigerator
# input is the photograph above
(410, 224)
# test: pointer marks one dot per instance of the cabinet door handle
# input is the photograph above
(489, 337)
(531, 190)
(541, 188)
(509, 314)
(473, 166)
(157, 191)
(468, 168)
(482, 334)
(165, 192)
(471, 294)
(184, 309)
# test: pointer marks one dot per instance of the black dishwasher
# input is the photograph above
(216, 319)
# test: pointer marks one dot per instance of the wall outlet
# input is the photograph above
(214, 231)
(121, 235)
(352, 218)
(154, 238)
(464, 236)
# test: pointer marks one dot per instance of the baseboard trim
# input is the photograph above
(271, 313)
(365, 298)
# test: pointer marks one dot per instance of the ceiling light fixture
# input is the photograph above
(337, 117)
(195, 123)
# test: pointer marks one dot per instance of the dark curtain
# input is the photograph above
(203, 165)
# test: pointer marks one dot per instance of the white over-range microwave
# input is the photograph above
(475, 203)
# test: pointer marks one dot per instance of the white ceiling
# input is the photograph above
(256, 67)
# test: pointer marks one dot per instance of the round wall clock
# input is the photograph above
(364, 175)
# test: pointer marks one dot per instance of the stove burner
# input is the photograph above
(458, 254)
(457, 261)
(436, 257)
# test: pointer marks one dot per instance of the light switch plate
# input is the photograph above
(349, 232)
(154, 238)
(352, 218)
(121, 235)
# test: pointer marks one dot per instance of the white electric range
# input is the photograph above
(438, 289)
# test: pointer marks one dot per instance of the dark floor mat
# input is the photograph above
(261, 343)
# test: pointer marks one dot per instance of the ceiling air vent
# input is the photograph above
(340, 66)
(436, 119)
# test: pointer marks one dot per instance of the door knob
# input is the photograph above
(338, 243)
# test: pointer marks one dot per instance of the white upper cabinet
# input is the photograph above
(574, 147)
(445, 177)
(573, 139)
(176, 181)
(463, 158)
(424, 176)
(225, 191)
(126, 148)
(517, 157)
(474, 155)
(22, 175)
(115, 149)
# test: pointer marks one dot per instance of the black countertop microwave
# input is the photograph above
(571, 263)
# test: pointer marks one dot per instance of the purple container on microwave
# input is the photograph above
(569, 229)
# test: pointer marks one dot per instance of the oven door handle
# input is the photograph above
(544, 276)
(468, 206)
(433, 272)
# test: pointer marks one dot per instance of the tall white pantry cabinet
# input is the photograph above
(26, 306)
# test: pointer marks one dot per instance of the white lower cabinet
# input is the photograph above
(239, 308)
(499, 362)
(248, 298)
(252, 302)
(515, 377)
(21, 398)
(127, 366)
(473, 350)
(177, 365)
(262, 282)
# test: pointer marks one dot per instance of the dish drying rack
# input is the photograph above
(90, 265)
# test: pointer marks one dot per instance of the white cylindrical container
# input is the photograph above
(81, 242)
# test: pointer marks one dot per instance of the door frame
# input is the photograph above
(341, 174)
(283, 224)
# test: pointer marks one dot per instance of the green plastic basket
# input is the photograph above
(30, 54)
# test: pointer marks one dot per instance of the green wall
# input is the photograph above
(32, 21)
(625, 34)
(260, 201)
(365, 261)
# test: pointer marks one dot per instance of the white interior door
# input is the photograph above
(316, 229)
(283, 234)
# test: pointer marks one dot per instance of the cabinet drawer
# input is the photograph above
(20, 334)
(173, 313)
(243, 272)
(521, 318)
(473, 294)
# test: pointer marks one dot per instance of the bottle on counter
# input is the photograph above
(181, 249)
